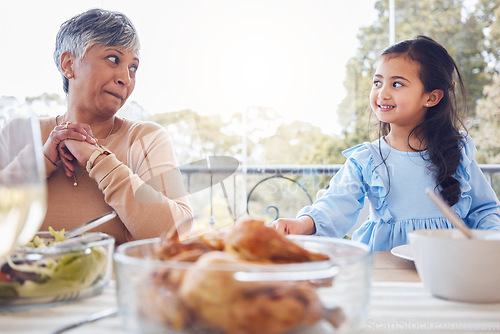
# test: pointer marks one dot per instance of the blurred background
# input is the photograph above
(280, 85)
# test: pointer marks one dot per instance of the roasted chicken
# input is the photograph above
(209, 297)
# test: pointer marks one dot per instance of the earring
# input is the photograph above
(427, 104)
(69, 75)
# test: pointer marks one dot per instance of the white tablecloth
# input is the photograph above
(409, 308)
(395, 308)
(45, 320)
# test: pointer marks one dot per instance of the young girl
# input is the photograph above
(414, 97)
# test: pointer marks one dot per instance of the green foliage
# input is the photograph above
(300, 143)
(197, 136)
(487, 13)
(486, 125)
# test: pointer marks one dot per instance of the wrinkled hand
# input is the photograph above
(301, 225)
(53, 149)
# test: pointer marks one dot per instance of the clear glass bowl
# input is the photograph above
(156, 296)
(54, 275)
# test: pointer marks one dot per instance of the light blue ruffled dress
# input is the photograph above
(406, 207)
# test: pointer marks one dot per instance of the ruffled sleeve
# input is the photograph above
(375, 174)
(478, 204)
(336, 212)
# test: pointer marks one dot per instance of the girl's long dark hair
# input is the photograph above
(440, 131)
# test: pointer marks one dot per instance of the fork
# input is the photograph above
(111, 312)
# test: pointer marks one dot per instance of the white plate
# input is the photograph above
(403, 251)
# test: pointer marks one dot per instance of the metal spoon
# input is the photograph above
(449, 213)
(74, 237)
(90, 225)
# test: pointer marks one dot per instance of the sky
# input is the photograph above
(211, 56)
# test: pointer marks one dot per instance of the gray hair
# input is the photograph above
(95, 26)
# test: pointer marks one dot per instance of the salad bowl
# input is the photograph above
(46, 273)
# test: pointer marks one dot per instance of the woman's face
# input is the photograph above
(103, 79)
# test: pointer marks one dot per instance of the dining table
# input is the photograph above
(399, 303)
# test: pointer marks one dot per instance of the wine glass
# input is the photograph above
(23, 188)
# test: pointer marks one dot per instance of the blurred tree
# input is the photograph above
(47, 98)
(132, 110)
(199, 136)
(487, 13)
(487, 124)
(301, 143)
(487, 121)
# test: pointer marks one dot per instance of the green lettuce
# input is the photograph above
(72, 273)
(57, 275)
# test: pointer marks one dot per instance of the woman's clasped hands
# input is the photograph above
(69, 141)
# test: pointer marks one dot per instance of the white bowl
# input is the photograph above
(456, 268)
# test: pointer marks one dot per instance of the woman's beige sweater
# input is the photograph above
(139, 181)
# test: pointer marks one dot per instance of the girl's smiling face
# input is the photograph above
(398, 96)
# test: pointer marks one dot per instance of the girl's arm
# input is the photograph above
(336, 212)
(484, 212)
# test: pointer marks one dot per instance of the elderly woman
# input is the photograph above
(95, 161)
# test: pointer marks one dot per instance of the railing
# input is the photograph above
(306, 180)
(489, 171)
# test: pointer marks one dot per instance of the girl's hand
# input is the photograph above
(64, 131)
(302, 225)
